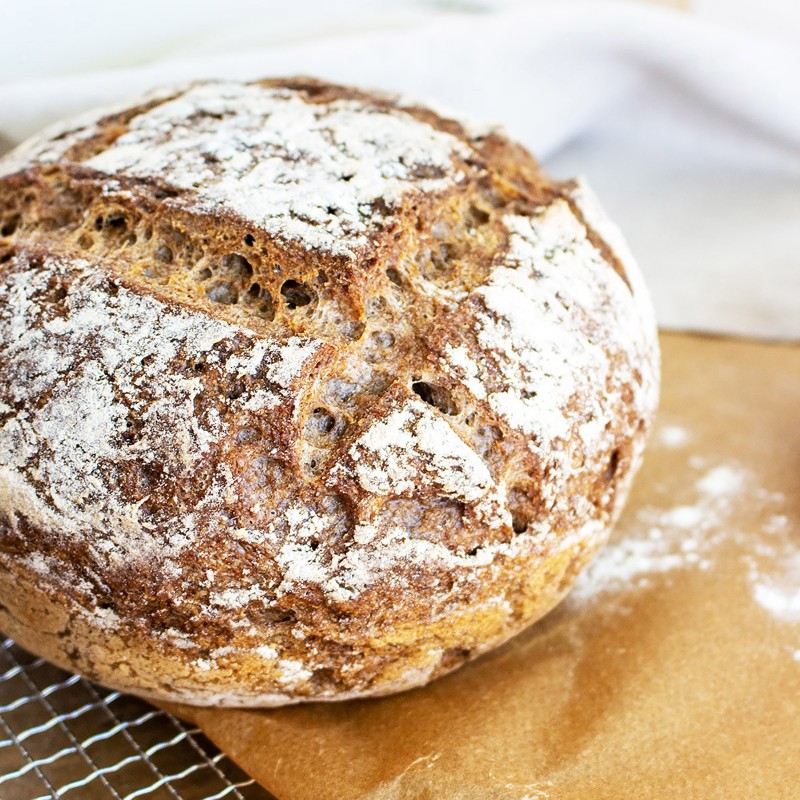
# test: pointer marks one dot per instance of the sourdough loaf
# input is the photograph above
(305, 392)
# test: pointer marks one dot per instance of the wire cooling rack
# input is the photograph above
(61, 736)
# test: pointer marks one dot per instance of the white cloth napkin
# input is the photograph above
(689, 132)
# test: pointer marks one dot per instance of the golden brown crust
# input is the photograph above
(263, 446)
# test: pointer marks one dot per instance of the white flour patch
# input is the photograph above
(534, 331)
(673, 436)
(782, 602)
(722, 481)
(460, 364)
(392, 454)
(311, 172)
(52, 143)
(686, 517)
(596, 218)
(779, 590)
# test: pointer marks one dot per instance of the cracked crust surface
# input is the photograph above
(305, 392)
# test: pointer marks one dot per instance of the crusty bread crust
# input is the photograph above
(305, 392)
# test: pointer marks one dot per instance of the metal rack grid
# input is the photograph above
(61, 736)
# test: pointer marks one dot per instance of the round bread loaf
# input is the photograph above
(306, 393)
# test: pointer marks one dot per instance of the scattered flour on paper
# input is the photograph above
(779, 591)
(685, 536)
(664, 539)
(673, 436)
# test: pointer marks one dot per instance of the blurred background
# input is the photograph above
(95, 35)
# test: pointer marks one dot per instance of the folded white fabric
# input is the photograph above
(690, 133)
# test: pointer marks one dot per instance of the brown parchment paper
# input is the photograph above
(673, 673)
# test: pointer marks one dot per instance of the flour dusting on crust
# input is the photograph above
(413, 444)
(540, 305)
(299, 170)
(61, 452)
